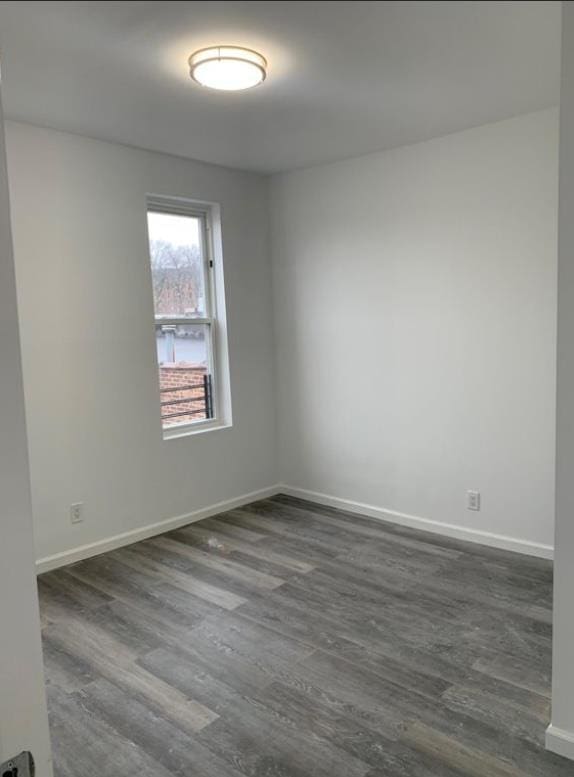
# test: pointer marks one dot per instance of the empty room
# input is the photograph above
(287, 389)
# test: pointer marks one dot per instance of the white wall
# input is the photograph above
(560, 737)
(23, 714)
(415, 305)
(89, 360)
(415, 295)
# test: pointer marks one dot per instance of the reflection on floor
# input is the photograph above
(286, 639)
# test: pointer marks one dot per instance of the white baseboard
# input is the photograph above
(425, 524)
(560, 741)
(151, 530)
(416, 522)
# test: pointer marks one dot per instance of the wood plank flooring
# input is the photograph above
(286, 639)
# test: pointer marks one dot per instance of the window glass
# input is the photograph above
(177, 266)
(183, 353)
(180, 290)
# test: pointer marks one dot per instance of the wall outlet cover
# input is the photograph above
(473, 500)
(77, 512)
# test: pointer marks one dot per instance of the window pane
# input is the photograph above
(184, 372)
(177, 265)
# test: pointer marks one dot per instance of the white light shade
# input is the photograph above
(229, 68)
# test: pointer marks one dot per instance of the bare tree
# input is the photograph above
(177, 278)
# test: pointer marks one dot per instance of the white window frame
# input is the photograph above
(214, 318)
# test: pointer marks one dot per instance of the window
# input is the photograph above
(181, 256)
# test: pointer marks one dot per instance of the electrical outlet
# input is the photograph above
(77, 512)
(473, 500)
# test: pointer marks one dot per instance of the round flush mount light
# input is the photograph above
(228, 68)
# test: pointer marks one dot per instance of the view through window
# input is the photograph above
(184, 318)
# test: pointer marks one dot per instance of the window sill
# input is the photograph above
(199, 427)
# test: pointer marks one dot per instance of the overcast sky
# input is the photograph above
(178, 230)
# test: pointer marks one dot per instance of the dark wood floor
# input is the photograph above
(289, 640)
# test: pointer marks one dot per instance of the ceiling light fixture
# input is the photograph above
(229, 68)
